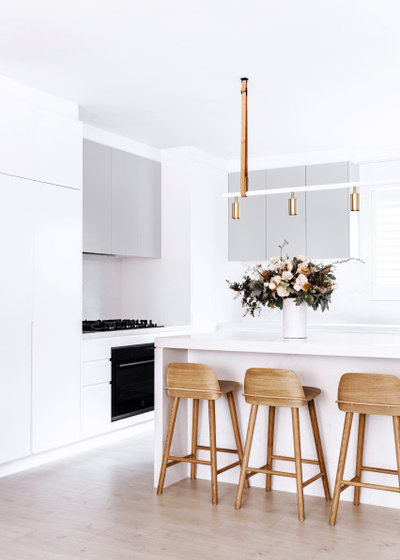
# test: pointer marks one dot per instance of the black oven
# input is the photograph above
(132, 380)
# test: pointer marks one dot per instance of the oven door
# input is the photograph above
(132, 386)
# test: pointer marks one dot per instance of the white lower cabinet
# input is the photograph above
(96, 410)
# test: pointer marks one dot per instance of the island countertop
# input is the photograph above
(319, 342)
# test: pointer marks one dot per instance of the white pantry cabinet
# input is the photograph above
(16, 271)
(40, 328)
(57, 286)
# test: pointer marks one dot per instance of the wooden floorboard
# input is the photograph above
(101, 504)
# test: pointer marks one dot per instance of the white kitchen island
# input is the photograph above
(319, 361)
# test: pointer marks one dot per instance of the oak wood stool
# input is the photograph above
(281, 388)
(198, 382)
(365, 393)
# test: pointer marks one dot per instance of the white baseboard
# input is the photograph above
(84, 445)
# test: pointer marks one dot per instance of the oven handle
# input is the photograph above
(135, 363)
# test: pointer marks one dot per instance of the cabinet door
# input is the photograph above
(16, 244)
(147, 185)
(280, 225)
(124, 204)
(247, 236)
(57, 308)
(328, 213)
(96, 409)
(96, 198)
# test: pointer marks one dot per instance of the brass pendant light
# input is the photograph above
(355, 200)
(244, 172)
(235, 209)
(292, 203)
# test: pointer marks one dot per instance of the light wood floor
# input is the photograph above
(101, 505)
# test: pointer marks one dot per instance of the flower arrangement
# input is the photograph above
(297, 278)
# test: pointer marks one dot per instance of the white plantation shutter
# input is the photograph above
(385, 244)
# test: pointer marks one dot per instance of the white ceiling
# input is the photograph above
(322, 74)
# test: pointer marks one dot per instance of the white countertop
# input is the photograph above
(320, 342)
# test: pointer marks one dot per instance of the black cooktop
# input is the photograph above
(117, 325)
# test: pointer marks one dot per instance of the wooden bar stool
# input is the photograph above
(281, 388)
(365, 393)
(198, 382)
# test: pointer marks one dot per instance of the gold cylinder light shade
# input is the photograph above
(355, 200)
(235, 209)
(292, 205)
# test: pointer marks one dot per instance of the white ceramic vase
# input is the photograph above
(294, 319)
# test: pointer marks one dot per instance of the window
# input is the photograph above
(385, 244)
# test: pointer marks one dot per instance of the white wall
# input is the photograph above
(102, 289)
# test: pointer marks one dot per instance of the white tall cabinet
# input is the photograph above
(40, 271)
(57, 287)
(16, 289)
(40, 331)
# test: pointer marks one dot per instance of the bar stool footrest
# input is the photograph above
(352, 482)
(186, 459)
(284, 458)
(219, 449)
(227, 467)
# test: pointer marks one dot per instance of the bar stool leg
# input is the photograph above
(359, 460)
(213, 451)
(396, 430)
(236, 429)
(195, 424)
(167, 445)
(341, 464)
(246, 455)
(318, 447)
(297, 460)
(270, 445)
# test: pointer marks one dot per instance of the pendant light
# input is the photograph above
(244, 172)
(355, 200)
(292, 205)
(235, 209)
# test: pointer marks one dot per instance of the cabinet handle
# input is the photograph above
(135, 363)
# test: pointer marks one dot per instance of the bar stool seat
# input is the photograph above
(363, 394)
(198, 382)
(281, 388)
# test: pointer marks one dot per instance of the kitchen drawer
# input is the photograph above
(98, 371)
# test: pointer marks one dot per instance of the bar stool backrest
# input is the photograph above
(369, 393)
(192, 381)
(273, 387)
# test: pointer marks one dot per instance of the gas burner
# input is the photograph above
(117, 325)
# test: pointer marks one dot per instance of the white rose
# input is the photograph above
(272, 286)
(282, 292)
(287, 275)
(276, 279)
(274, 260)
(301, 279)
(301, 258)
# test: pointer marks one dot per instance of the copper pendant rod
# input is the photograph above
(244, 173)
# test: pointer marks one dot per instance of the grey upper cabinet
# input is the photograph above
(280, 225)
(96, 198)
(328, 219)
(121, 203)
(124, 203)
(247, 236)
(148, 197)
